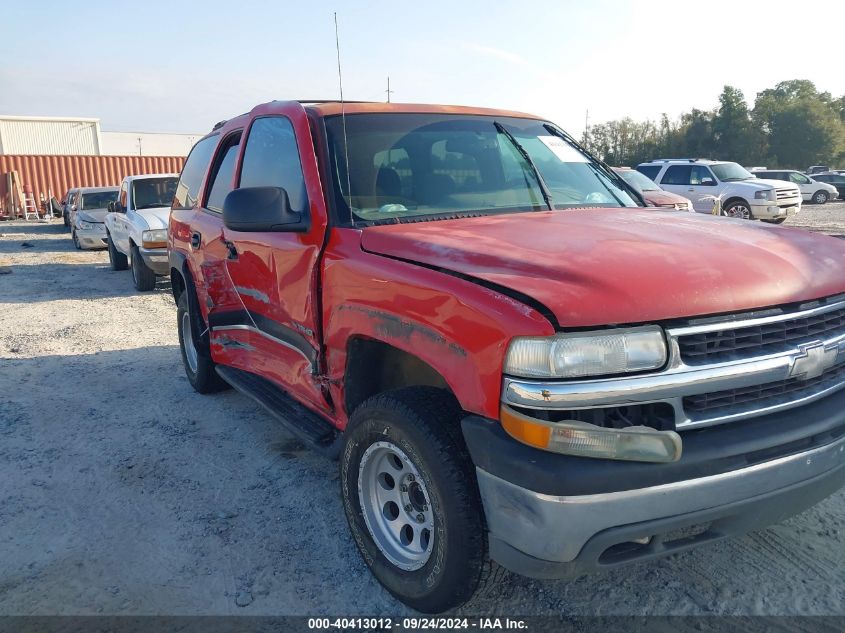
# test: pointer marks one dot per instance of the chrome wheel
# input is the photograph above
(396, 506)
(820, 197)
(188, 342)
(738, 210)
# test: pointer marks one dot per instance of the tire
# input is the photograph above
(118, 260)
(75, 239)
(199, 368)
(66, 221)
(143, 278)
(738, 209)
(418, 430)
(820, 197)
(776, 221)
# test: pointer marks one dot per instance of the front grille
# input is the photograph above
(759, 340)
(785, 193)
(762, 396)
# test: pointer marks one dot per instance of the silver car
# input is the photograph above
(87, 216)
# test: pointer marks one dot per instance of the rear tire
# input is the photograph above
(820, 197)
(117, 259)
(404, 458)
(143, 278)
(199, 368)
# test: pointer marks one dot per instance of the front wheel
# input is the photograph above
(738, 209)
(117, 259)
(143, 278)
(411, 498)
(820, 197)
(75, 240)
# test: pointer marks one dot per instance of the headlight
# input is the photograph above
(764, 195)
(587, 353)
(571, 437)
(155, 238)
(87, 226)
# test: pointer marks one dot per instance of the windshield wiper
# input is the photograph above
(599, 167)
(547, 195)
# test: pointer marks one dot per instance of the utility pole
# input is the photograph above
(140, 150)
(587, 127)
(388, 91)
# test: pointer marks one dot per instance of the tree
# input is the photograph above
(802, 125)
(735, 136)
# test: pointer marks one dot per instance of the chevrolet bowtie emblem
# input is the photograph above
(814, 360)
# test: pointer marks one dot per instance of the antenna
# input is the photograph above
(388, 91)
(343, 119)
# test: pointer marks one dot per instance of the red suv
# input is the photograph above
(509, 358)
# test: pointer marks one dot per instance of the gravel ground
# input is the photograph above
(124, 492)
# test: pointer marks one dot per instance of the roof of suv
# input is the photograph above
(699, 161)
(335, 107)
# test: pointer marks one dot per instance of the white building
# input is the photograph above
(83, 136)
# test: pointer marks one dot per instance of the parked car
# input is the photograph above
(742, 195)
(87, 215)
(811, 190)
(136, 227)
(651, 191)
(817, 169)
(507, 355)
(835, 179)
(67, 204)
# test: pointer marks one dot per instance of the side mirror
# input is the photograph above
(119, 208)
(707, 182)
(262, 209)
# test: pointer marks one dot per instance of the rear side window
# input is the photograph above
(649, 170)
(187, 191)
(271, 159)
(222, 174)
(677, 175)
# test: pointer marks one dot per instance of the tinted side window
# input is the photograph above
(187, 191)
(271, 159)
(700, 175)
(677, 175)
(224, 171)
(649, 170)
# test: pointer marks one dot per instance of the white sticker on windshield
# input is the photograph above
(563, 150)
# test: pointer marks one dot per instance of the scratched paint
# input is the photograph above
(254, 293)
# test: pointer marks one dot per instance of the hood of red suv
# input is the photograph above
(595, 267)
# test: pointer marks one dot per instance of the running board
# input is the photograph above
(307, 426)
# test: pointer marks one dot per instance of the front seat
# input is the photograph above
(388, 184)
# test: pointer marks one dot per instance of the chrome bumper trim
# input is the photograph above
(555, 529)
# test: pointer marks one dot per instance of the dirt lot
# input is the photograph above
(124, 492)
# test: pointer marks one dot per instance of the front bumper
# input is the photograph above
(556, 516)
(156, 260)
(92, 238)
(772, 211)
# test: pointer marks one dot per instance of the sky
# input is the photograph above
(176, 66)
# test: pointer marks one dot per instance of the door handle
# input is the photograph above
(196, 240)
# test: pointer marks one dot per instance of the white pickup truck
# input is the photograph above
(136, 227)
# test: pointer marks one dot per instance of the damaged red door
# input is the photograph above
(274, 274)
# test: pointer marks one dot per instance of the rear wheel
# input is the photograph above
(117, 259)
(820, 197)
(143, 278)
(411, 498)
(196, 357)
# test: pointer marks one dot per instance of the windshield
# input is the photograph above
(148, 193)
(428, 165)
(727, 172)
(637, 180)
(98, 199)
